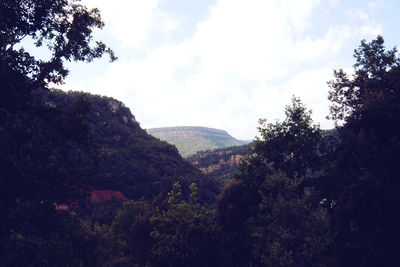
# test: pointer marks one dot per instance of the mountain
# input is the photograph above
(129, 160)
(190, 139)
(220, 164)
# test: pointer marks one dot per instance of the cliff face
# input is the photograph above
(189, 140)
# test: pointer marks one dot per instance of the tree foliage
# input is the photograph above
(292, 228)
(375, 77)
(300, 199)
(364, 184)
(183, 233)
(172, 232)
(130, 160)
(272, 215)
(64, 27)
(46, 154)
(295, 146)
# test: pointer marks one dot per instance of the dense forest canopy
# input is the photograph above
(301, 197)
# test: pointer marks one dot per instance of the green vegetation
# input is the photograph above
(301, 198)
(220, 164)
(363, 181)
(46, 155)
(129, 160)
(189, 140)
(273, 206)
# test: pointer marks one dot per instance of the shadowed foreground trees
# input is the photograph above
(302, 199)
(272, 216)
(305, 200)
(46, 156)
(364, 182)
(170, 232)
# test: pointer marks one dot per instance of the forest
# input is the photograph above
(302, 197)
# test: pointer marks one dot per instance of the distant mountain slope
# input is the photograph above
(220, 164)
(130, 160)
(190, 139)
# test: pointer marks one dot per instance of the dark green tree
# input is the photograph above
(295, 146)
(291, 228)
(183, 233)
(274, 208)
(64, 26)
(46, 156)
(169, 232)
(236, 206)
(130, 235)
(375, 77)
(364, 184)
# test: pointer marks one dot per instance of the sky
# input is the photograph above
(227, 63)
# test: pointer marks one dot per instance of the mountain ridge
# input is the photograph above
(191, 139)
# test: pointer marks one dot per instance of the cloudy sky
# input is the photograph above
(226, 63)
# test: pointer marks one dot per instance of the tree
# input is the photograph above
(236, 206)
(292, 229)
(64, 26)
(131, 230)
(274, 208)
(183, 233)
(375, 77)
(38, 139)
(364, 183)
(168, 232)
(296, 147)
(46, 155)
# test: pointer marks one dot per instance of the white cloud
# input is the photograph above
(371, 30)
(311, 86)
(358, 14)
(323, 48)
(376, 4)
(132, 21)
(333, 2)
(244, 62)
(251, 38)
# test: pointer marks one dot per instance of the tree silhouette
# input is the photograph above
(46, 156)
(364, 181)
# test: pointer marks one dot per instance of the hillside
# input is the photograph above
(189, 139)
(130, 160)
(220, 164)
